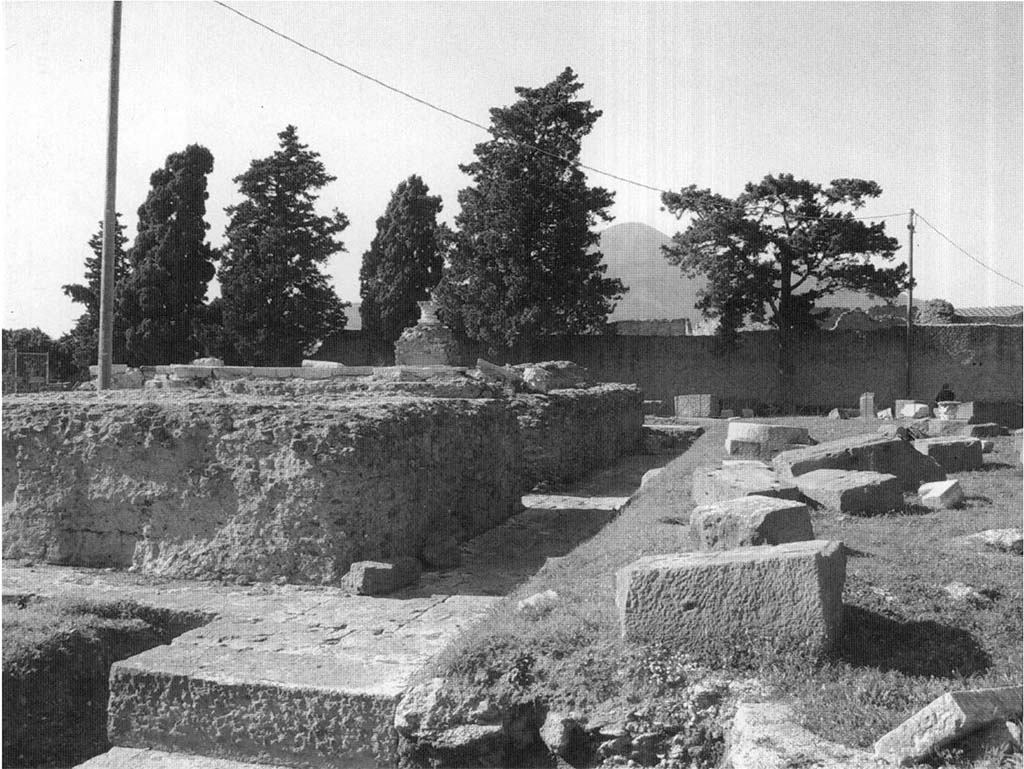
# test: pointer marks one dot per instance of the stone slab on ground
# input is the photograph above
(954, 455)
(791, 592)
(762, 441)
(942, 495)
(852, 491)
(143, 758)
(946, 719)
(712, 484)
(876, 453)
(748, 521)
(765, 735)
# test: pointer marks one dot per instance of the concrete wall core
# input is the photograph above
(208, 485)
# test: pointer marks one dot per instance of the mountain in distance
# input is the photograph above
(658, 290)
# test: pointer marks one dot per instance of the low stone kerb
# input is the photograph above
(791, 593)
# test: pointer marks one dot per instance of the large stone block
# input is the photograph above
(947, 719)
(914, 410)
(749, 521)
(701, 405)
(791, 593)
(941, 494)
(852, 491)
(983, 430)
(876, 453)
(954, 455)
(712, 484)
(750, 439)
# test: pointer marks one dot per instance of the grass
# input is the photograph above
(905, 640)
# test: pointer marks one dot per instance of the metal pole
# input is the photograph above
(106, 351)
(910, 305)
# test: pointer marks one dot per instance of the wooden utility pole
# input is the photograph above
(910, 305)
(106, 351)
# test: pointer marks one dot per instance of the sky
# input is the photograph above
(923, 98)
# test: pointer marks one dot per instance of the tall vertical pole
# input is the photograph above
(910, 305)
(109, 220)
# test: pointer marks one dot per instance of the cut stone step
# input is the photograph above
(711, 485)
(953, 454)
(142, 758)
(852, 491)
(748, 521)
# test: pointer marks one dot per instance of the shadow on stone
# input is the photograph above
(917, 648)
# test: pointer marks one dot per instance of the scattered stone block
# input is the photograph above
(1006, 540)
(946, 720)
(954, 455)
(884, 414)
(867, 406)
(852, 491)
(748, 521)
(937, 428)
(699, 405)
(792, 592)
(961, 591)
(538, 604)
(987, 446)
(712, 485)
(207, 362)
(556, 375)
(914, 410)
(983, 430)
(942, 495)
(836, 414)
(877, 453)
(947, 410)
(653, 408)
(726, 414)
(381, 577)
(750, 439)
(748, 413)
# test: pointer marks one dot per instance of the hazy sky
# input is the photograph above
(925, 99)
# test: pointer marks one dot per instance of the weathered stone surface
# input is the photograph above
(852, 491)
(954, 455)
(942, 494)
(381, 577)
(947, 719)
(984, 430)
(559, 732)
(867, 406)
(915, 410)
(555, 375)
(750, 520)
(712, 485)
(702, 405)
(650, 475)
(427, 345)
(836, 414)
(750, 439)
(538, 604)
(876, 453)
(1006, 540)
(791, 592)
(669, 439)
(137, 758)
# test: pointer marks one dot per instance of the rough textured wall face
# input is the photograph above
(250, 488)
(263, 487)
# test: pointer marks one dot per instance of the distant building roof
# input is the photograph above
(1007, 311)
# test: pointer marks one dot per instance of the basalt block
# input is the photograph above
(954, 455)
(712, 485)
(875, 453)
(748, 521)
(852, 491)
(791, 593)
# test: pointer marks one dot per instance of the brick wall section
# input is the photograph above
(214, 487)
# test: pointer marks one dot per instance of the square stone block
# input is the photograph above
(914, 410)
(750, 439)
(790, 593)
(750, 520)
(697, 405)
(942, 494)
(852, 491)
(983, 430)
(712, 485)
(953, 454)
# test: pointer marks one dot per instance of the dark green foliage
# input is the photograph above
(277, 303)
(783, 244)
(34, 340)
(404, 261)
(524, 262)
(83, 339)
(935, 311)
(160, 300)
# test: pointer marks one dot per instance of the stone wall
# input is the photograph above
(216, 486)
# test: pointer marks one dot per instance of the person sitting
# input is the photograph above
(945, 394)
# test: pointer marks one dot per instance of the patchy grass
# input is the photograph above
(905, 640)
(56, 662)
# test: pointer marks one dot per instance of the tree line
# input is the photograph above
(521, 261)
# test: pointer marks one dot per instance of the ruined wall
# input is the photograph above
(217, 486)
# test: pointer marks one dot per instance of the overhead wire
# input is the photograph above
(968, 255)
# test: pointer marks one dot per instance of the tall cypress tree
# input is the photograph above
(404, 261)
(524, 262)
(276, 302)
(161, 299)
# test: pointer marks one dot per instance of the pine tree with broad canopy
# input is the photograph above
(774, 251)
(404, 261)
(162, 298)
(524, 262)
(276, 302)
